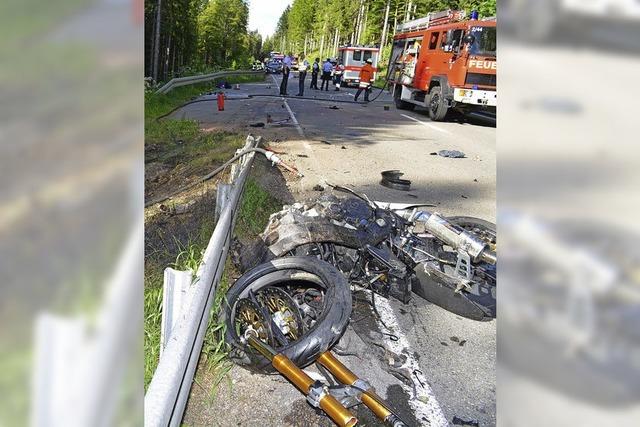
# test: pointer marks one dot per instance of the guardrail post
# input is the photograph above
(174, 299)
(223, 193)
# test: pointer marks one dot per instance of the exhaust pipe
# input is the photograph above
(459, 239)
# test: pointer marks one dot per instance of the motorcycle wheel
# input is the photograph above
(287, 274)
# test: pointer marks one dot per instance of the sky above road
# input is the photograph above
(264, 15)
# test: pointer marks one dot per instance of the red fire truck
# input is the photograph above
(445, 62)
(353, 58)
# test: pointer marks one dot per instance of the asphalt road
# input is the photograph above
(350, 144)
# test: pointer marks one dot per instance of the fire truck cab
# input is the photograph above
(445, 62)
(353, 58)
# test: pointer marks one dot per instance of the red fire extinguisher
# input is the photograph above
(220, 101)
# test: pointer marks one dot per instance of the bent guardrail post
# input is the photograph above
(184, 81)
(166, 397)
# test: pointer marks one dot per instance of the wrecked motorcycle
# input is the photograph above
(298, 299)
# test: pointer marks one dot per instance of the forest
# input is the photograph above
(190, 36)
(317, 28)
(184, 37)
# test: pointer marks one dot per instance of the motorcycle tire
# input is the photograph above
(328, 328)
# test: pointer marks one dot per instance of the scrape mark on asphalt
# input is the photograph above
(422, 400)
(429, 125)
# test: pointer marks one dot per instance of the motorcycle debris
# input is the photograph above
(391, 179)
(455, 154)
(303, 155)
(343, 147)
(462, 343)
(257, 125)
(333, 107)
(462, 422)
(318, 187)
(454, 339)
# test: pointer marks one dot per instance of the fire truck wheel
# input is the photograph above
(400, 104)
(437, 105)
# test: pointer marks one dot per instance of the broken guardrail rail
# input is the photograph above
(184, 81)
(187, 304)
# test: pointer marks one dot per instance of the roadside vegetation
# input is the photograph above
(176, 153)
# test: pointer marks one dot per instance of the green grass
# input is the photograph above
(257, 206)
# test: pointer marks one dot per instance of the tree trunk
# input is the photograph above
(366, 19)
(395, 21)
(322, 41)
(156, 43)
(383, 40)
(165, 73)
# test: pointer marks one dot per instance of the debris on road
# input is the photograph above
(391, 179)
(325, 142)
(318, 187)
(343, 147)
(277, 122)
(455, 154)
(462, 422)
(333, 107)
(257, 125)
(303, 155)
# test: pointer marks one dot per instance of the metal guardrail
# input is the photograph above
(184, 332)
(184, 81)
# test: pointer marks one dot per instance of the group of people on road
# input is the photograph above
(328, 73)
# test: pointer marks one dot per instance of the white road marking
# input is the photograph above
(421, 398)
(429, 125)
(293, 116)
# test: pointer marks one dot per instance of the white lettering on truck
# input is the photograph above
(487, 65)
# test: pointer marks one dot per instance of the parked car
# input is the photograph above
(274, 67)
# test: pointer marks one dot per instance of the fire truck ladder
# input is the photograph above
(432, 19)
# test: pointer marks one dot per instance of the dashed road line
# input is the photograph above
(293, 117)
(429, 125)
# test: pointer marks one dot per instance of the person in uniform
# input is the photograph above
(303, 66)
(315, 69)
(326, 74)
(366, 80)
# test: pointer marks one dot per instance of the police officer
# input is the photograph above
(326, 74)
(286, 69)
(303, 65)
(315, 69)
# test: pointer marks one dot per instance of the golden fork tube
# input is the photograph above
(345, 376)
(329, 404)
